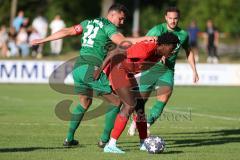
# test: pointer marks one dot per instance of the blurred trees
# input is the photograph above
(72, 11)
(224, 13)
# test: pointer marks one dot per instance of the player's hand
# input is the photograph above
(195, 77)
(97, 73)
(163, 59)
(36, 42)
(151, 38)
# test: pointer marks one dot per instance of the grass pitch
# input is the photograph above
(198, 123)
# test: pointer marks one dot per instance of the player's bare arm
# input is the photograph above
(191, 61)
(65, 32)
(119, 38)
(216, 38)
(106, 61)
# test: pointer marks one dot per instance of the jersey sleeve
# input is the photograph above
(84, 23)
(141, 50)
(110, 30)
(80, 27)
(155, 31)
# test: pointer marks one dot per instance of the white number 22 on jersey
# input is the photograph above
(88, 37)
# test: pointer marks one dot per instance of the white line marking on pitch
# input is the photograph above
(206, 115)
(11, 98)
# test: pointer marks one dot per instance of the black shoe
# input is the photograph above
(101, 144)
(71, 143)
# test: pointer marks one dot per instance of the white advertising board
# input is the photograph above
(18, 71)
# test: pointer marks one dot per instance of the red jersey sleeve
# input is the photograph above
(141, 50)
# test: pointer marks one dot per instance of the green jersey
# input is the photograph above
(182, 36)
(96, 34)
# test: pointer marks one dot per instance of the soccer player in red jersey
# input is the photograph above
(121, 65)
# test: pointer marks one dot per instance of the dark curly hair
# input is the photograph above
(168, 38)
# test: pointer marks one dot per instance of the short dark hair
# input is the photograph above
(168, 38)
(172, 9)
(119, 8)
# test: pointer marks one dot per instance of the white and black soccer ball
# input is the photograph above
(154, 144)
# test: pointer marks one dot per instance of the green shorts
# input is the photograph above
(157, 76)
(84, 82)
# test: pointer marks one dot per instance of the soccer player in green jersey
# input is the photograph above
(96, 33)
(164, 81)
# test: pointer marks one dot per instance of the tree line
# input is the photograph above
(225, 14)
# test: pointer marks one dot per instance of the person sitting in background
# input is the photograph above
(22, 42)
(13, 48)
(34, 35)
(3, 41)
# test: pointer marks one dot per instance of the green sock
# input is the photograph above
(155, 112)
(78, 113)
(109, 122)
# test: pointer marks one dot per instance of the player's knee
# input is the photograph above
(127, 109)
(164, 97)
(131, 103)
(113, 99)
(118, 102)
(85, 102)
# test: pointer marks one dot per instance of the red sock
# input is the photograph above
(141, 124)
(119, 125)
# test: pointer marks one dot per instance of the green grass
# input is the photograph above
(198, 123)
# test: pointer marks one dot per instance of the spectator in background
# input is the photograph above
(211, 39)
(193, 32)
(18, 21)
(13, 48)
(22, 42)
(3, 41)
(56, 25)
(34, 35)
(41, 25)
(26, 24)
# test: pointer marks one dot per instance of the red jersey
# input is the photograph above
(140, 56)
(142, 50)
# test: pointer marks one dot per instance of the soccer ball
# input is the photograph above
(154, 144)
